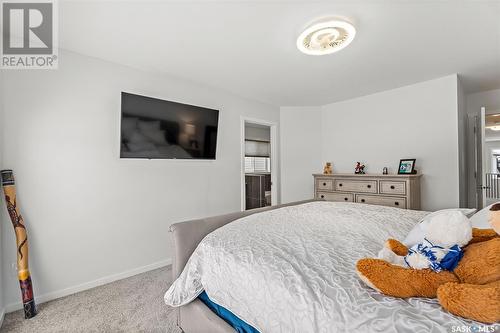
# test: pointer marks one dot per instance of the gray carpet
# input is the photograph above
(134, 305)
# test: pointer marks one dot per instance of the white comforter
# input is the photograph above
(293, 270)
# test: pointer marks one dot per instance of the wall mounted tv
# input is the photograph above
(157, 129)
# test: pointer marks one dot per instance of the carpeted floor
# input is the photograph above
(130, 305)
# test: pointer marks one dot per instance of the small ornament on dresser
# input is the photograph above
(360, 168)
(385, 171)
(327, 170)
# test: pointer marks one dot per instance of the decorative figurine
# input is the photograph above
(327, 170)
(23, 272)
(385, 171)
(360, 169)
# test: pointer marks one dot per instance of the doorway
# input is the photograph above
(484, 128)
(259, 167)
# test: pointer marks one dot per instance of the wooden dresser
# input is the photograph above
(402, 191)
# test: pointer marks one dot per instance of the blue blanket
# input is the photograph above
(239, 325)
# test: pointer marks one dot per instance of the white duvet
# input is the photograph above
(293, 270)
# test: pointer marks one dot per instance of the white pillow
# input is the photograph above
(416, 235)
(147, 126)
(481, 219)
(156, 136)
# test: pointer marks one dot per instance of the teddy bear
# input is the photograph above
(438, 248)
(328, 170)
(470, 289)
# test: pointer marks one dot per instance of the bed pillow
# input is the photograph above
(416, 235)
(148, 126)
(480, 220)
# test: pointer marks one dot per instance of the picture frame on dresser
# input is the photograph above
(406, 166)
(392, 190)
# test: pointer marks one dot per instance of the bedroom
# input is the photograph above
(411, 84)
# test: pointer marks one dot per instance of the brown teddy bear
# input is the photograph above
(328, 170)
(471, 290)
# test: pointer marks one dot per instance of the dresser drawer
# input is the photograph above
(324, 184)
(346, 197)
(392, 187)
(382, 201)
(348, 185)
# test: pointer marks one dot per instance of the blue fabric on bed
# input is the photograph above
(239, 325)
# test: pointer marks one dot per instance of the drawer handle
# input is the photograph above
(362, 200)
(324, 184)
(322, 196)
(346, 199)
(340, 184)
(396, 203)
(392, 187)
(369, 186)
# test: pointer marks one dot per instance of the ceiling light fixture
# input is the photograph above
(326, 37)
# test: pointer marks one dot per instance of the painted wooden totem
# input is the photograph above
(23, 272)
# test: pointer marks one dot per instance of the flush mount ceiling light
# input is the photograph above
(326, 37)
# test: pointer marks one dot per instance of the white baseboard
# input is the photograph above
(89, 285)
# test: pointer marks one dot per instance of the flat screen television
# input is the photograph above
(152, 128)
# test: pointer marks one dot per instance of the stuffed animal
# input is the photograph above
(327, 170)
(440, 247)
(471, 290)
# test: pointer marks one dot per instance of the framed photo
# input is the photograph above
(406, 166)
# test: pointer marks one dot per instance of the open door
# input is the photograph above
(259, 167)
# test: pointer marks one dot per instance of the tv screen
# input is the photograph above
(157, 129)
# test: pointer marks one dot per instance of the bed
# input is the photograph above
(292, 269)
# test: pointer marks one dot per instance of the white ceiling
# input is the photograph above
(248, 47)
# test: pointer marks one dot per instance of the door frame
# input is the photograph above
(481, 203)
(274, 157)
(475, 148)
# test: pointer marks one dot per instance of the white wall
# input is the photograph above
(417, 121)
(300, 138)
(462, 145)
(89, 214)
